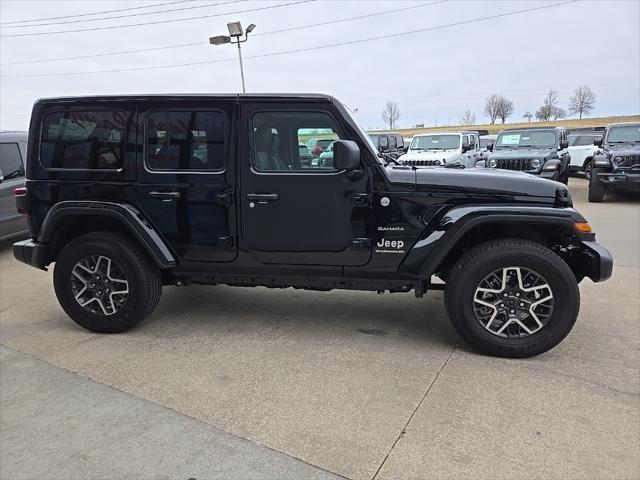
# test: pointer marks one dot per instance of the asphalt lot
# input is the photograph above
(254, 383)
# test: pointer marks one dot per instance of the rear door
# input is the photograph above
(186, 175)
(291, 213)
(12, 167)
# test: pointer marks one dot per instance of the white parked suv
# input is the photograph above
(441, 149)
(582, 150)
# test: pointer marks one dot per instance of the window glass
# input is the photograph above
(293, 141)
(11, 161)
(580, 140)
(624, 134)
(527, 138)
(400, 141)
(376, 140)
(384, 142)
(186, 141)
(392, 141)
(83, 139)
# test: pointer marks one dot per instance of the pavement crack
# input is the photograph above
(403, 432)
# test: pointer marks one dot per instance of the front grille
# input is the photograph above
(629, 161)
(422, 163)
(514, 163)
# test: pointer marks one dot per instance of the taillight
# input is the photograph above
(20, 195)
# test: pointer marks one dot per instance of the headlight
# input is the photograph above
(601, 161)
(493, 163)
(551, 165)
(535, 163)
(618, 161)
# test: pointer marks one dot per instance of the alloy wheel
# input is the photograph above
(99, 285)
(513, 302)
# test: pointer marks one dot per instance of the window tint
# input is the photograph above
(384, 142)
(278, 136)
(392, 141)
(11, 161)
(581, 140)
(376, 140)
(83, 139)
(186, 141)
(400, 141)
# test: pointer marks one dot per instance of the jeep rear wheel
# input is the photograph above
(105, 283)
(512, 298)
(588, 167)
(596, 190)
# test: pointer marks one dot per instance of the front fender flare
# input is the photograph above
(130, 217)
(442, 234)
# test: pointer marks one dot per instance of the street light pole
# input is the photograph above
(241, 67)
(240, 36)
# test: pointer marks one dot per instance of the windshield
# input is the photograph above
(624, 134)
(527, 138)
(435, 142)
(485, 142)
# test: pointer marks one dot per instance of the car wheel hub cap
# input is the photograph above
(513, 302)
(99, 285)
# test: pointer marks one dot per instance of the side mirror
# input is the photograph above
(564, 144)
(597, 141)
(466, 147)
(346, 155)
(490, 147)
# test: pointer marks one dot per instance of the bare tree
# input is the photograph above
(583, 101)
(557, 112)
(505, 108)
(391, 114)
(491, 107)
(546, 111)
(468, 118)
(528, 115)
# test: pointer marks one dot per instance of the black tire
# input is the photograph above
(144, 281)
(596, 190)
(470, 270)
(588, 166)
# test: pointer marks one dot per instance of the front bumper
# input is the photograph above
(597, 261)
(549, 174)
(30, 252)
(620, 180)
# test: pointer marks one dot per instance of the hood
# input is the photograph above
(477, 181)
(520, 153)
(445, 155)
(623, 149)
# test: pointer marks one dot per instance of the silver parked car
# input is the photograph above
(13, 152)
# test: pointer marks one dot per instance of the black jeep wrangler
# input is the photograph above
(541, 151)
(616, 166)
(127, 194)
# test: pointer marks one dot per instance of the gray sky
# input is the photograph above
(435, 74)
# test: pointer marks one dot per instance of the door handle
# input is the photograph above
(167, 196)
(262, 197)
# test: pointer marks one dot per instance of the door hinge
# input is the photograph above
(360, 199)
(360, 243)
(229, 241)
(225, 199)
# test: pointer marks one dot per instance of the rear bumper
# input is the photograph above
(598, 261)
(31, 253)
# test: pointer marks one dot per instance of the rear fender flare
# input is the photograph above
(131, 218)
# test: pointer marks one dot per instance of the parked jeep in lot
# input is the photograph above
(391, 144)
(582, 151)
(616, 165)
(442, 149)
(129, 193)
(541, 151)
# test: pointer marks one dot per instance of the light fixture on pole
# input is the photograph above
(237, 36)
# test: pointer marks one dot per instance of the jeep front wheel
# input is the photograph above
(512, 298)
(105, 283)
(596, 190)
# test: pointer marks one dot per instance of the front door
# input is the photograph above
(293, 212)
(186, 176)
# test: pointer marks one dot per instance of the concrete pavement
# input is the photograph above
(356, 384)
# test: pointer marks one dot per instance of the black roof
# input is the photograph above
(190, 96)
(551, 127)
